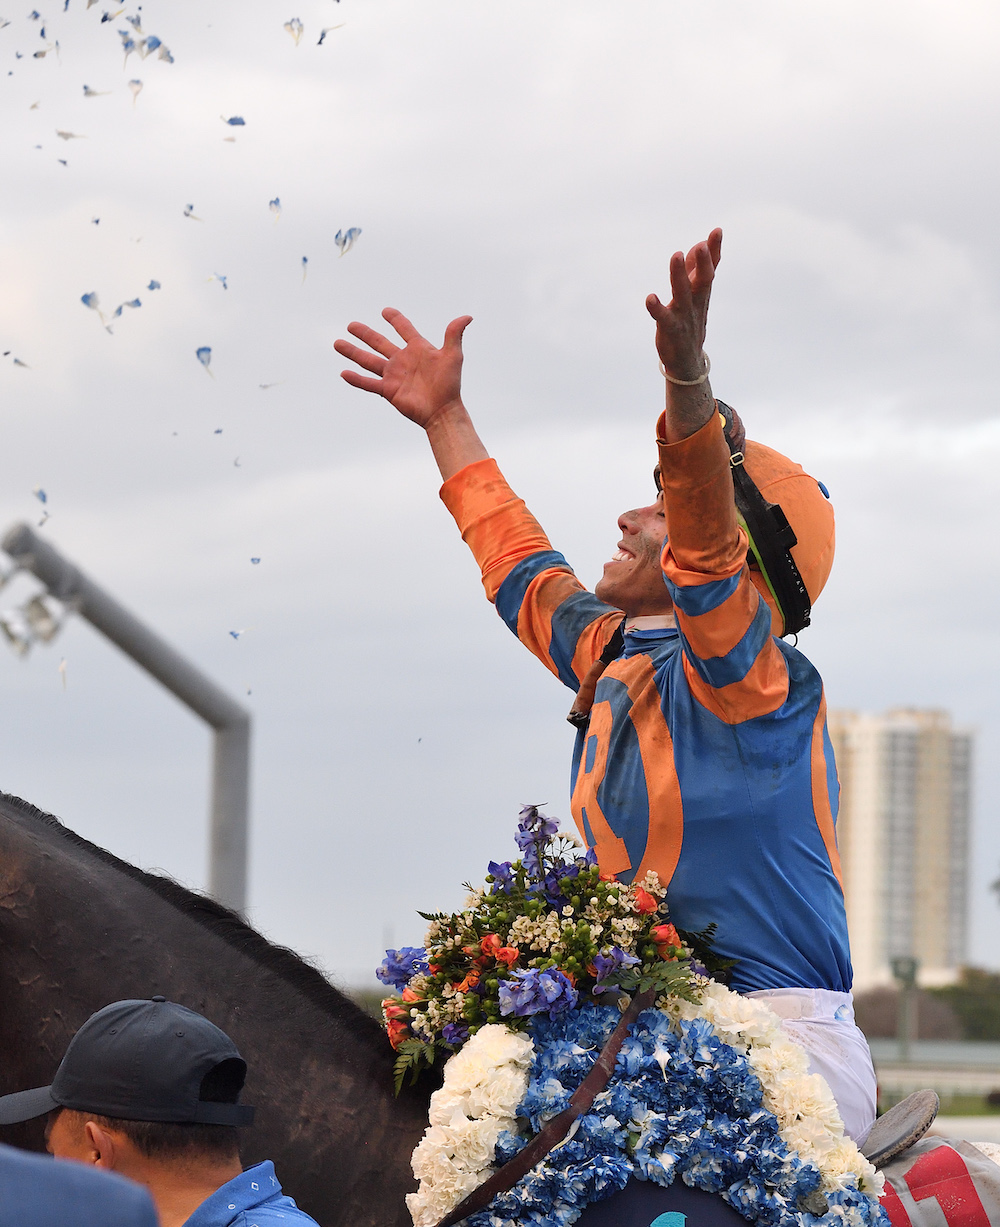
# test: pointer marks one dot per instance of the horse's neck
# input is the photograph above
(79, 933)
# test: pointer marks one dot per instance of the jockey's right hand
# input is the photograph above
(423, 383)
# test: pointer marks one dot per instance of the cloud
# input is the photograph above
(534, 166)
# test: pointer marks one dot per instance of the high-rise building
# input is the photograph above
(903, 832)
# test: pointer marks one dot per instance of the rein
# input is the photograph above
(556, 1130)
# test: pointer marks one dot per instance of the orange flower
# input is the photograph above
(470, 981)
(398, 1031)
(644, 901)
(490, 944)
(667, 938)
(392, 1009)
(665, 935)
(607, 877)
(508, 955)
(410, 995)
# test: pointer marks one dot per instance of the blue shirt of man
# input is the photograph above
(251, 1199)
(38, 1192)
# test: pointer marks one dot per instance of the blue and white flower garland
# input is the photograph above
(714, 1093)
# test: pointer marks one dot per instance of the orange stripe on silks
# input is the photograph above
(612, 855)
(686, 577)
(500, 539)
(493, 521)
(718, 631)
(761, 691)
(821, 793)
(542, 598)
(663, 789)
(592, 642)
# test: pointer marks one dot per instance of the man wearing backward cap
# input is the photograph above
(701, 749)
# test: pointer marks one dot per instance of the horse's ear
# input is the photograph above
(223, 1082)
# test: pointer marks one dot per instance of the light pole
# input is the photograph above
(904, 970)
(230, 720)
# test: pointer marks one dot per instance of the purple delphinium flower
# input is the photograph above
(399, 965)
(551, 884)
(534, 830)
(502, 877)
(537, 992)
(606, 965)
(590, 857)
(454, 1033)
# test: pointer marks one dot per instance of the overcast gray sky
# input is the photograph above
(533, 165)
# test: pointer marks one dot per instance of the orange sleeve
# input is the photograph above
(732, 664)
(532, 586)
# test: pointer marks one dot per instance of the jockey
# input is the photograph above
(701, 750)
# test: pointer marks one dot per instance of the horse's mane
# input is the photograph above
(227, 925)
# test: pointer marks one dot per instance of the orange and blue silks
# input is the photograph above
(706, 757)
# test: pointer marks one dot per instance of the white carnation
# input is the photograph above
(445, 1102)
(432, 1202)
(501, 1093)
(478, 1059)
(483, 1084)
(804, 1095)
(737, 1017)
(432, 1163)
(810, 1138)
(779, 1059)
(474, 1142)
(844, 1161)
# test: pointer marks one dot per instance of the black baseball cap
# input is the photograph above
(143, 1060)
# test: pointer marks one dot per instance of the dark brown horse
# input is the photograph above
(80, 928)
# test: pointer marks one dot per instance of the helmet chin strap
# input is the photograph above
(770, 535)
(768, 532)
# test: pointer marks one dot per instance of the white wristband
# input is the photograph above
(688, 383)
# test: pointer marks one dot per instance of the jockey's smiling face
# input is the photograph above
(632, 580)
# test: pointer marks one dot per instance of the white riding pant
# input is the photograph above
(823, 1023)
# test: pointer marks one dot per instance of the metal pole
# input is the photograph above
(907, 1019)
(230, 720)
(904, 971)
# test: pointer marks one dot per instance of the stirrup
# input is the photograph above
(898, 1129)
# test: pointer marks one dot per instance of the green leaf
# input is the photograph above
(701, 943)
(411, 1056)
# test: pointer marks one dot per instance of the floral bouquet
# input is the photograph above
(547, 933)
(521, 991)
